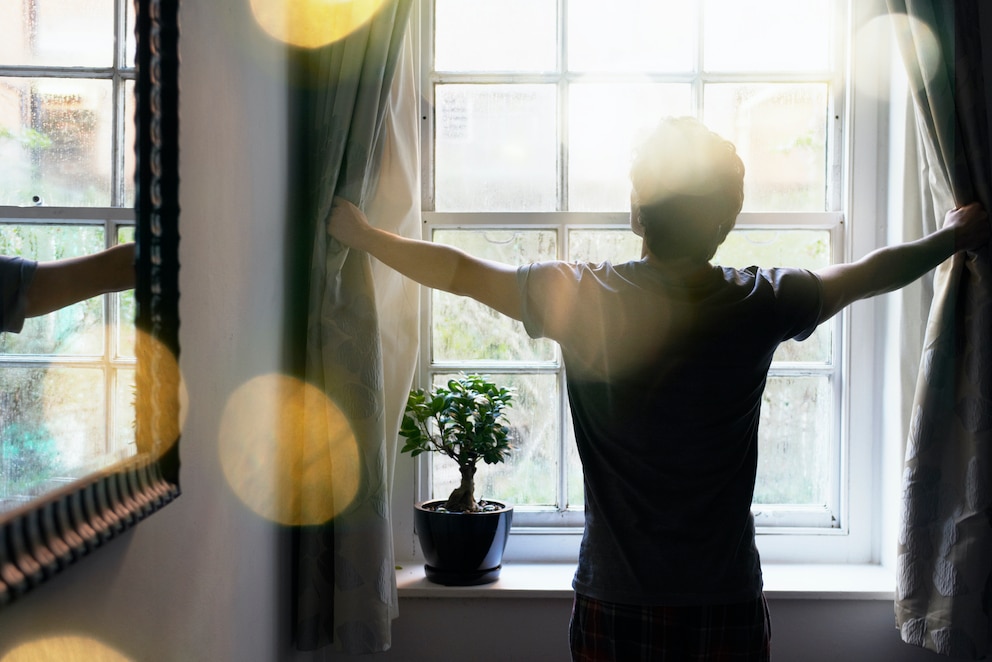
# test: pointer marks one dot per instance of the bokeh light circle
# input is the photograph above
(64, 649)
(312, 23)
(288, 452)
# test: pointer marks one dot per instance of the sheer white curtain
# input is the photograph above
(360, 122)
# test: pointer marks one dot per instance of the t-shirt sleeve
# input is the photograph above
(16, 275)
(549, 296)
(799, 297)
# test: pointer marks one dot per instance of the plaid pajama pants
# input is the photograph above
(607, 632)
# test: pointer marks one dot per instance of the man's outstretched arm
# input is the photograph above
(890, 268)
(60, 283)
(433, 265)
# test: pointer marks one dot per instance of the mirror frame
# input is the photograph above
(48, 534)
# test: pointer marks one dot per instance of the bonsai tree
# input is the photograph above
(464, 421)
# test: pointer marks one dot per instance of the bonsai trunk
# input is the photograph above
(462, 499)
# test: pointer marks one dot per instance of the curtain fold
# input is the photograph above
(344, 581)
(944, 556)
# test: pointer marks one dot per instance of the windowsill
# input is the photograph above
(554, 580)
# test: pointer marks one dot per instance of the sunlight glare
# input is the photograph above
(288, 452)
(876, 37)
(64, 649)
(312, 23)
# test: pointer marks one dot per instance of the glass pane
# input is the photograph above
(496, 148)
(78, 33)
(573, 466)
(604, 123)
(631, 35)
(55, 140)
(130, 42)
(615, 246)
(128, 147)
(124, 407)
(463, 329)
(495, 35)
(780, 130)
(807, 249)
(795, 457)
(74, 330)
(125, 308)
(528, 477)
(766, 35)
(47, 432)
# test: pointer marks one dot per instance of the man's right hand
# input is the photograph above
(971, 227)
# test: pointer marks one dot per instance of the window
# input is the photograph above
(66, 189)
(535, 106)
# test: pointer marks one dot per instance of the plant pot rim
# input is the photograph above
(422, 505)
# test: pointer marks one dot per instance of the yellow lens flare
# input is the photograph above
(288, 452)
(158, 420)
(76, 403)
(312, 23)
(64, 649)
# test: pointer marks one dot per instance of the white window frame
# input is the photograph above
(859, 199)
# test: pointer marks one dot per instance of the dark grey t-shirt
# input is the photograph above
(15, 276)
(665, 380)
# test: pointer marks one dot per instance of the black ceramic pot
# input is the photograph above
(462, 549)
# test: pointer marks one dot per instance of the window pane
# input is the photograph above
(794, 456)
(780, 130)
(495, 35)
(603, 125)
(527, 477)
(130, 42)
(631, 35)
(124, 407)
(576, 493)
(496, 148)
(57, 32)
(125, 308)
(807, 249)
(766, 35)
(615, 246)
(465, 330)
(74, 330)
(46, 430)
(128, 147)
(55, 141)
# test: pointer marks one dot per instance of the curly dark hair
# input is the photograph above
(688, 188)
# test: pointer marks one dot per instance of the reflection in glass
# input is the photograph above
(55, 141)
(74, 330)
(496, 148)
(522, 479)
(66, 404)
(780, 131)
(48, 434)
(128, 148)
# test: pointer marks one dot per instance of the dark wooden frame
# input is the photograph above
(47, 535)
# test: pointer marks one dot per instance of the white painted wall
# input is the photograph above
(205, 579)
